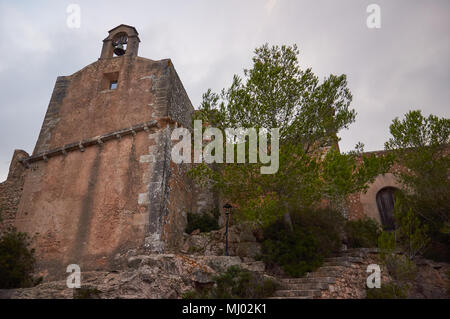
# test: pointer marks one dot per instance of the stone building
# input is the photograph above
(100, 180)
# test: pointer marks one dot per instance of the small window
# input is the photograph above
(109, 81)
(113, 85)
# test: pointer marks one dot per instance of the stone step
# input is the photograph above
(337, 263)
(330, 269)
(328, 280)
(323, 274)
(359, 252)
(299, 297)
(349, 259)
(298, 293)
(255, 266)
(306, 286)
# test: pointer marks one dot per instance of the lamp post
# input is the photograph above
(227, 207)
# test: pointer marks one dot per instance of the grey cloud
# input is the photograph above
(401, 66)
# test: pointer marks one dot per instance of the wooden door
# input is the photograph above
(385, 203)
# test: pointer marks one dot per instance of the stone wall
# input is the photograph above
(363, 204)
(11, 191)
(431, 281)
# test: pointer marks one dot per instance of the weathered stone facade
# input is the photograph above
(11, 191)
(100, 180)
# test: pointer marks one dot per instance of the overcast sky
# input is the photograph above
(401, 66)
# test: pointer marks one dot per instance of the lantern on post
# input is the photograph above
(227, 208)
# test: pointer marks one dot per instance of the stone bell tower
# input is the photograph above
(100, 181)
(122, 37)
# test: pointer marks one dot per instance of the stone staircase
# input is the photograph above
(315, 283)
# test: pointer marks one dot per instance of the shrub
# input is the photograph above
(362, 233)
(295, 251)
(315, 234)
(325, 225)
(86, 293)
(387, 291)
(16, 260)
(400, 268)
(204, 222)
(236, 283)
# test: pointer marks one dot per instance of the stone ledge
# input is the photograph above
(81, 145)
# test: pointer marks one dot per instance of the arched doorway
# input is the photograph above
(385, 204)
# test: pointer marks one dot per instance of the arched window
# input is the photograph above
(385, 204)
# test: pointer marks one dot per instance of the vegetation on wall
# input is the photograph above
(16, 260)
(236, 283)
(421, 146)
(204, 222)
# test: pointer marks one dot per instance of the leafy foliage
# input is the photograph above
(16, 260)
(398, 248)
(411, 232)
(421, 146)
(314, 236)
(236, 283)
(204, 222)
(276, 93)
(362, 233)
(387, 291)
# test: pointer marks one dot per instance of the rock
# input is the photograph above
(134, 262)
(246, 235)
(256, 266)
(196, 232)
(248, 249)
(222, 263)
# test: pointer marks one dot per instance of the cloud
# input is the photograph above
(401, 66)
(270, 5)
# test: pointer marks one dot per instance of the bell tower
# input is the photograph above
(122, 40)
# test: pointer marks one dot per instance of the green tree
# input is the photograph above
(277, 93)
(16, 260)
(421, 147)
(411, 233)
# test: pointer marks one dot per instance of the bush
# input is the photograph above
(362, 233)
(204, 222)
(86, 293)
(315, 235)
(326, 226)
(387, 291)
(236, 283)
(16, 260)
(401, 268)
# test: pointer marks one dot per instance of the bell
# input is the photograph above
(118, 50)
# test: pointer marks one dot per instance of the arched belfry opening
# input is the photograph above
(122, 40)
(385, 203)
(120, 44)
